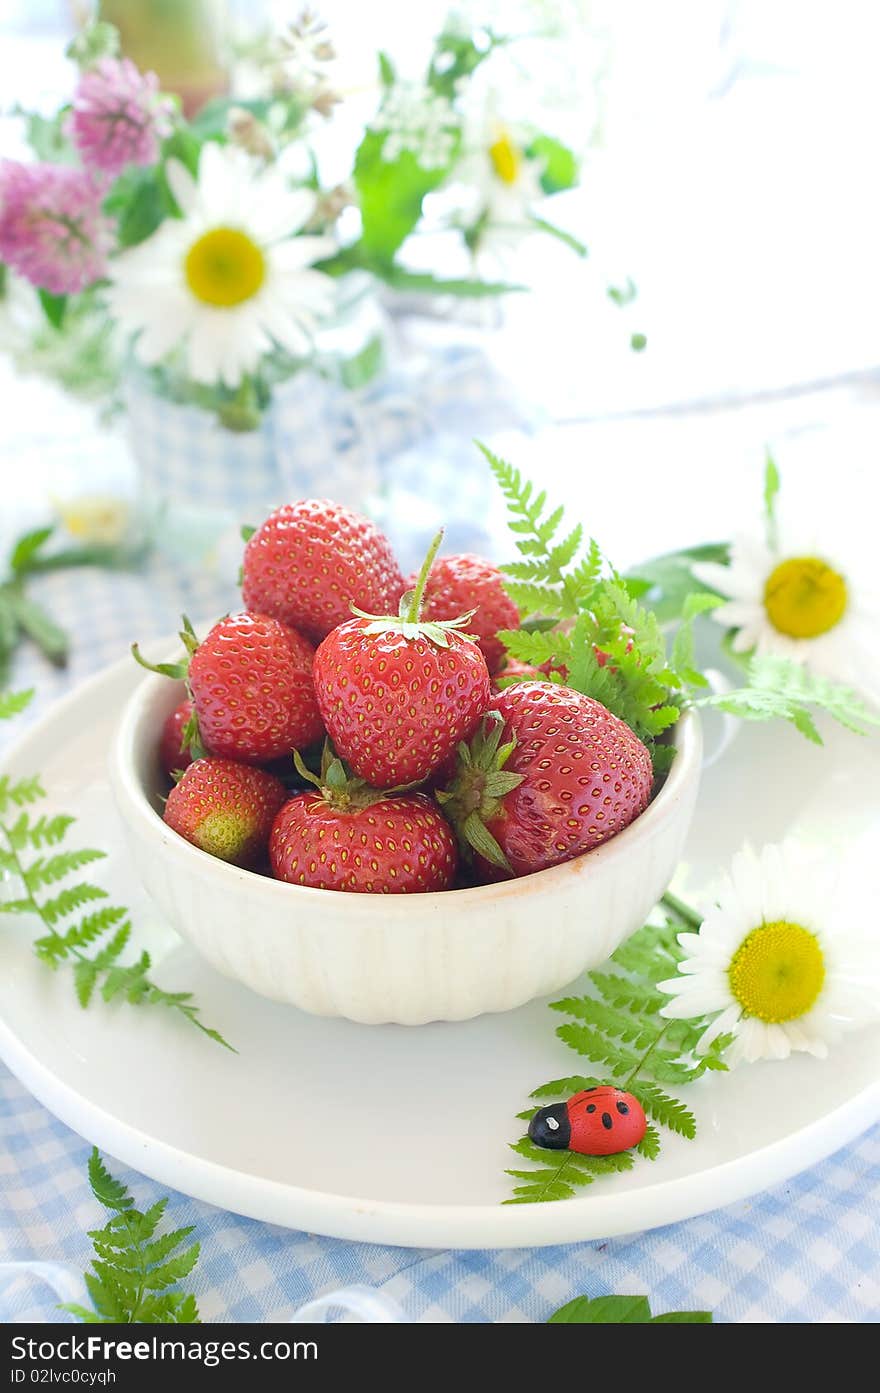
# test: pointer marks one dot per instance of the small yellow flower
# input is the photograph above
(95, 519)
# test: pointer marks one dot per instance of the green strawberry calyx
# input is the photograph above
(408, 620)
(190, 736)
(341, 790)
(475, 797)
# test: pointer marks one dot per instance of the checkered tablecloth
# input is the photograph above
(805, 1251)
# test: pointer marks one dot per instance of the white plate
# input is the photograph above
(397, 1135)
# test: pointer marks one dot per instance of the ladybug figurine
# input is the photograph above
(598, 1122)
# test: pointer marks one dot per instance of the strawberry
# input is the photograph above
(251, 686)
(174, 754)
(225, 809)
(397, 695)
(551, 774)
(514, 671)
(465, 582)
(311, 561)
(347, 836)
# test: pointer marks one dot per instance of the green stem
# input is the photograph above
(415, 607)
(688, 916)
(646, 1056)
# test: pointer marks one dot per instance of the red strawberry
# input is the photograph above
(174, 754)
(514, 671)
(251, 682)
(461, 583)
(251, 686)
(349, 837)
(311, 561)
(397, 695)
(551, 775)
(225, 809)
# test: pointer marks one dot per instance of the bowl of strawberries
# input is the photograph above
(344, 799)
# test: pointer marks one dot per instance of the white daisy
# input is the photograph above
(229, 280)
(506, 184)
(798, 600)
(779, 958)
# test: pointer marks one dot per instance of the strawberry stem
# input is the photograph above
(417, 595)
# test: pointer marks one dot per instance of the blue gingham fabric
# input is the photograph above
(805, 1251)
(320, 438)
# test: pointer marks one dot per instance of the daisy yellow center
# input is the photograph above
(505, 159)
(224, 267)
(777, 972)
(804, 597)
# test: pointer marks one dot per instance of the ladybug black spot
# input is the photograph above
(623, 1108)
(606, 1121)
(591, 1107)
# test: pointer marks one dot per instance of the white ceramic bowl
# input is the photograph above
(403, 958)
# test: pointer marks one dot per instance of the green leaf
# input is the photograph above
(683, 1318)
(13, 703)
(112, 1194)
(387, 75)
(567, 238)
(132, 1271)
(621, 1310)
(561, 169)
(49, 637)
(457, 55)
(649, 1146)
(390, 194)
(667, 580)
(54, 307)
(425, 282)
(27, 546)
(638, 342)
(47, 870)
(622, 296)
(781, 689)
(669, 1112)
(603, 1310)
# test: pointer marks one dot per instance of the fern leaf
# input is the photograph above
(618, 1025)
(174, 1270)
(669, 1112)
(598, 1049)
(622, 993)
(85, 976)
(111, 1193)
(21, 793)
(563, 1088)
(74, 897)
(44, 832)
(46, 871)
(107, 1302)
(13, 703)
(649, 1146)
(159, 1250)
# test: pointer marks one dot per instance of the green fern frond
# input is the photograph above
(13, 703)
(19, 794)
(107, 929)
(554, 580)
(563, 1088)
(132, 1271)
(64, 903)
(48, 871)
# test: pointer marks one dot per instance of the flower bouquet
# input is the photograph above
(207, 264)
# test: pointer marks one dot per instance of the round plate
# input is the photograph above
(392, 1134)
